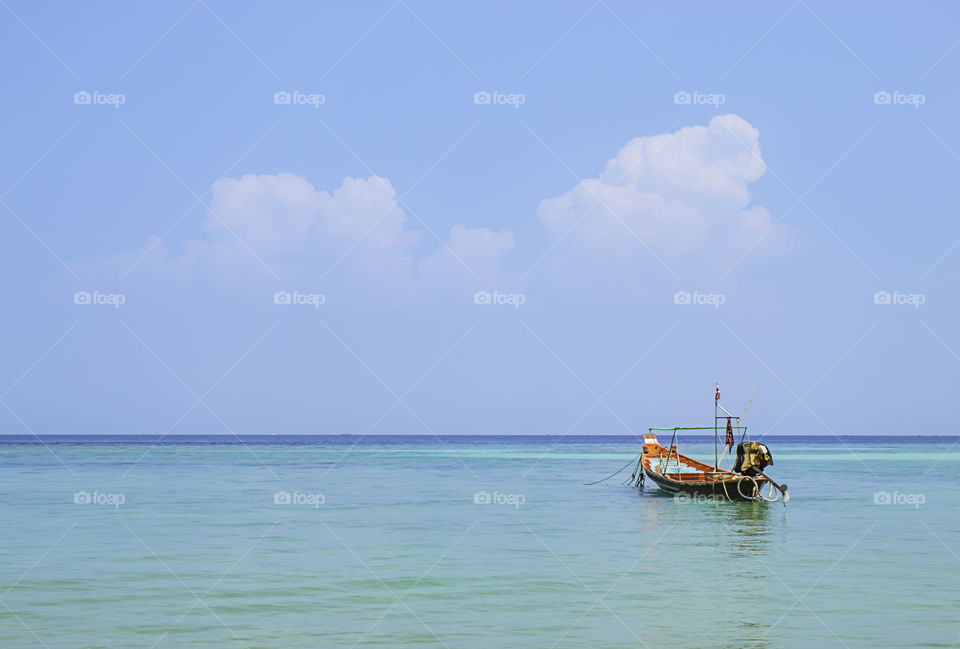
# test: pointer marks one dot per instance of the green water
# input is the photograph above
(388, 548)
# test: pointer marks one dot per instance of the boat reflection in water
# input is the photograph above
(718, 560)
(705, 541)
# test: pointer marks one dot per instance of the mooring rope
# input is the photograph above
(772, 490)
(754, 497)
(612, 474)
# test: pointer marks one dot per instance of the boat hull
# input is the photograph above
(678, 474)
(725, 490)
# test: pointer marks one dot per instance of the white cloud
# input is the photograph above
(468, 254)
(273, 212)
(300, 232)
(683, 194)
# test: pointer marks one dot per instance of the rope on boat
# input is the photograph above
(629, 481)
(781, 489)
(773, 490)
(755, 488)
(611, 475)
(723, 454)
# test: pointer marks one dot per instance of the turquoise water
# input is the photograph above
(181, 544)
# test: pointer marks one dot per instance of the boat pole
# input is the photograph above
(744, 433)
(716, 402)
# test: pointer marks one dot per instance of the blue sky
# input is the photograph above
(787, 199)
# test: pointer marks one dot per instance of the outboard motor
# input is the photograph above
(752, 458)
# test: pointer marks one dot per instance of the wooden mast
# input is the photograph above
(716, 402)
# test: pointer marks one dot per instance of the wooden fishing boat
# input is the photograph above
(678, 474)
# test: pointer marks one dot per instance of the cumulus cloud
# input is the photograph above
(681, 194)
(475, 253)
(283, 223)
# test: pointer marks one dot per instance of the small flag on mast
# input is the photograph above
(717, 397)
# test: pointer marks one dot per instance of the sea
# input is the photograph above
(283, 542)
